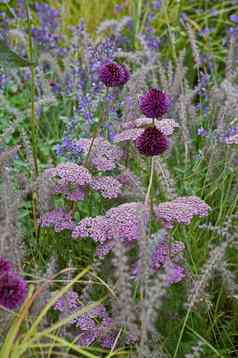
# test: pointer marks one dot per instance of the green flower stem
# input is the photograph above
(92, 143)
(33, 121)
(33, 90)
(147, 197)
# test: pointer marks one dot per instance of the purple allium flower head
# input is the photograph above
(152, 142)
(154, 103)
(5, 265)
(113, 74)
(13, 290)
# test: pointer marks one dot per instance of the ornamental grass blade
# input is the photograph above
(9, 347)
(33, 329)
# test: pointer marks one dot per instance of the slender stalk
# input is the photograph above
(92, 143)
(181, 333)
(33, 90)
(33, 121)
(147, 197)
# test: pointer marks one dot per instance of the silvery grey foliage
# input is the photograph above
(45, 283)
(166, 180)
(11, 240)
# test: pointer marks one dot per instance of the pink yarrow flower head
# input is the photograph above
(128, 221)
(150, 136)
(70, 173)
(164, 125)
(166, 256)
(152, 142)
(13, 290)
(104, 155)
(125, 222)
(165, 251)
(134, 129)
(92, 325)
(181, 210)
(68, 302)
(59, 219)
(97, 326)
(154, 103)
(113, 74)
(97, 228)
(76, 194)
(70, 180)
(109, 187)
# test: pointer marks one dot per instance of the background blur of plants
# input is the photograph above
(188, 48)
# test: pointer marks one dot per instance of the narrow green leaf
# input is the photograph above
(9, 58)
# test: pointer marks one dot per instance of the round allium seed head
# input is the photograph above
(13, 290)
(5, 265)
(152, 142)
(154, 103)
(113, 74)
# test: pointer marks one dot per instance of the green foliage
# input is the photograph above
(9, 58)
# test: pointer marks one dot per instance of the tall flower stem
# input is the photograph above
(92, 143)
(33, 89)
(33, 120)
(147, 197)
